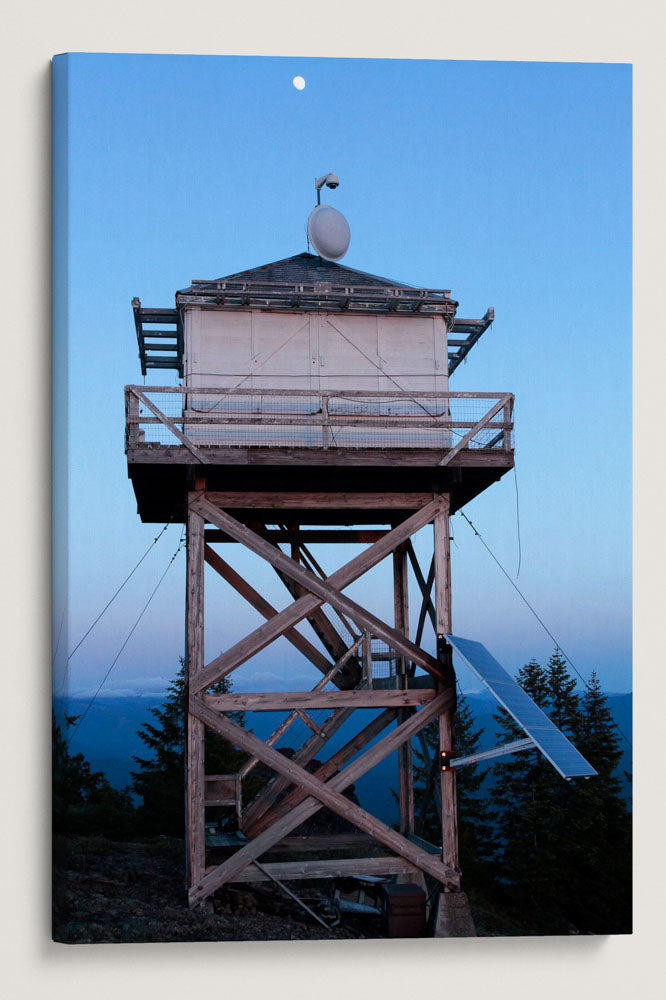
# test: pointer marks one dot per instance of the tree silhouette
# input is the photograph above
(84, 803)
(565, 845)
(160, 779)
(476, 840)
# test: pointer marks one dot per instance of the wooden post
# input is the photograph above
(194, 770)
(446, 719)
(401, 618)
(132, 435)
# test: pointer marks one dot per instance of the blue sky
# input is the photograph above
(509, 183)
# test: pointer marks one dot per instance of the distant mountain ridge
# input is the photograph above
(108, 739)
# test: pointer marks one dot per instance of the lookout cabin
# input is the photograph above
(307, 374)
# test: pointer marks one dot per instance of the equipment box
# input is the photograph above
(405, 911)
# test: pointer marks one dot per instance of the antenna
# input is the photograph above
(328, 230)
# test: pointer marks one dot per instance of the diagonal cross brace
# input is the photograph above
(264, 608)
(323, 772)
(320, 794)
(479, 425)
(183, 438)
(320, 591)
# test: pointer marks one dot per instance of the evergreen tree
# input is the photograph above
(84, 803)
(523, 794)
(562, 703)
(565, 844)
(160, 780)
(476, 840)
(599, 846)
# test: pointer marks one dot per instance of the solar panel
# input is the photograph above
(552, 743)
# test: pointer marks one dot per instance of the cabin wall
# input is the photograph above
(316, 350)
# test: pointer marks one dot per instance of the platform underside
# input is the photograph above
(161, 477)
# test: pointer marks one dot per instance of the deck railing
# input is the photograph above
(202, 418)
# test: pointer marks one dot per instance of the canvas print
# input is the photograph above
(342, 502)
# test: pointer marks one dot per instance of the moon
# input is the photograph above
(298, 82)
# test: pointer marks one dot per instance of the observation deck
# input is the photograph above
(253, 443)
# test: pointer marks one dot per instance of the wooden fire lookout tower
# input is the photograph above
(315, 407)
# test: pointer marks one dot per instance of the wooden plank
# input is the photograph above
(323, 842)
(407, 457)
(320, 794)
(401, 616)
(261, 605)
(195, 777)
(449, 795)
(442, 572)
(324, 536)
(184, 440)
(291, 615)
(324, 772)
(281, 701)
(336, 868)
(442, 555)
(229, 500)
(313, 844)
(326, 591)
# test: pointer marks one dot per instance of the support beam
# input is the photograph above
(326, 771)
(281, 701)
(326, 536)
(256, 500)
(425, 586)
(264, 608)
(516, 746)
(271, 793)
(401, 619)
(446, 720)
(319, 621)
(320, 592)
(336, 868)
(213, 880)
(195, 777)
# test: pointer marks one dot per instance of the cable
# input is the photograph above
(55, 651)
(541, 622)
(107, 606)
(129, 636)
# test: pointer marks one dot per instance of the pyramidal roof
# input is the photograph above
(302, 268)
(310, 283)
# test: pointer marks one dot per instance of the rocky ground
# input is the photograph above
(105, 891)
(133, 892)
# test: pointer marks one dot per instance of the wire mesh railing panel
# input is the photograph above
(258, 418)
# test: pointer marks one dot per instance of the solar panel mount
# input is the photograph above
(550, 740)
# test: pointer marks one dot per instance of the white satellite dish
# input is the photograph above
(329, 232)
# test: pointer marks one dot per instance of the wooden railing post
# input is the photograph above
(132, 419)
(507, 418)
(325, 426)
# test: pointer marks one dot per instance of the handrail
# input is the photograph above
(230, 423)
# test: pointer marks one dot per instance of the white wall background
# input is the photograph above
(585, 30)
